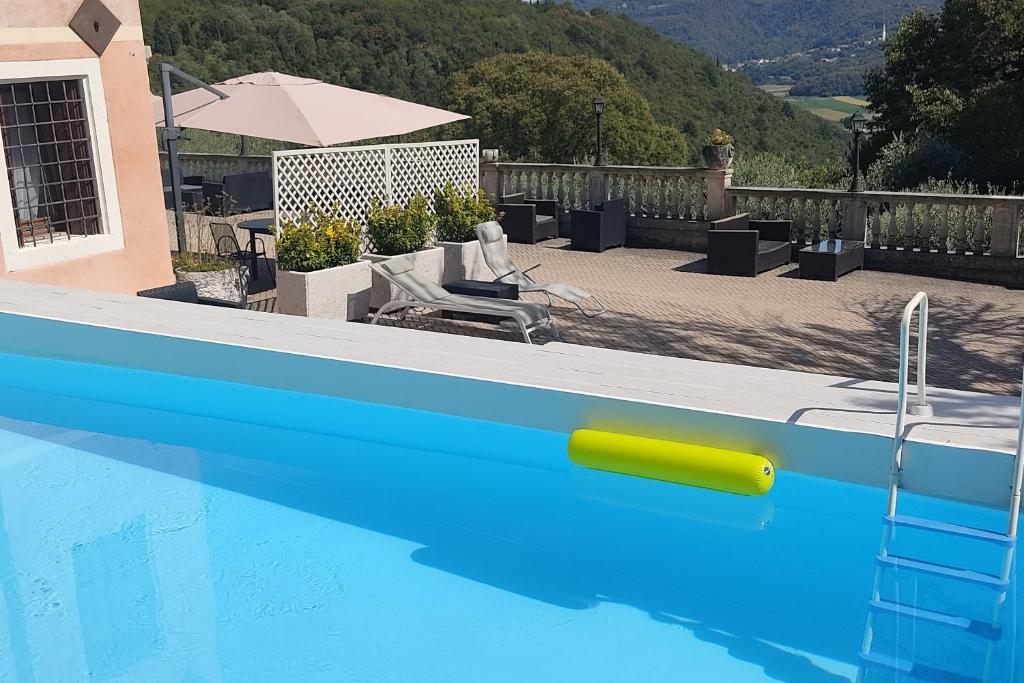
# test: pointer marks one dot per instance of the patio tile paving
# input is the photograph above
(663, 302)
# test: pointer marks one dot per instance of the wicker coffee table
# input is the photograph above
(831, 259)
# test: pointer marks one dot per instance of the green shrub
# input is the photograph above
(394, 230)
(318, 240)
(459, 212)
(775, 170)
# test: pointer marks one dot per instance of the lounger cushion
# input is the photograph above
(397, 265)
(489, 232)
(402, 272)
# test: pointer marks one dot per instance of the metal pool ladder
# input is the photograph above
(999, 583)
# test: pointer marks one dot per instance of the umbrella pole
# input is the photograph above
(171, 136)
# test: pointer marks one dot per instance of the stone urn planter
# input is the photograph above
(718, 157)
(226, 284)
(429, 264)
(464, 261)
(340, 293)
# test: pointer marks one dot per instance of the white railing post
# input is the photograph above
(920, 407)
(1018, 472)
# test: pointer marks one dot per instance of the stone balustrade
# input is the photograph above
(926, 223)
(214, 167)
(651, 192)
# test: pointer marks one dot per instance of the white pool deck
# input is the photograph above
(975, 432)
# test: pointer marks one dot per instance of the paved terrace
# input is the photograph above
(663, 302)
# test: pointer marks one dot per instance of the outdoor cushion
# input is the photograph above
(766, 246)
(490, 232)
(397, 265)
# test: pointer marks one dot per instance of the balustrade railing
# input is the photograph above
(653, 192)
(677, 193)
(940, 223)
(565, 184)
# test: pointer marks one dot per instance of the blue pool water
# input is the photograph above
(282, 537)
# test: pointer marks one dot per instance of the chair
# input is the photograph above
(184, 292)
(247, 192)
(528, 220)
(600, 229)
(496, 257)
(740, 246)
(225, 241)
(422, 293)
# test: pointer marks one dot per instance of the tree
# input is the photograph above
(955, 79)
(539, 107)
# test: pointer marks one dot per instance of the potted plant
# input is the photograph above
(719, 151)
(458, 213)
(393, 231)
(319, 271)
(215, 277)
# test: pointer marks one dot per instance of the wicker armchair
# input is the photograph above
(740, 246)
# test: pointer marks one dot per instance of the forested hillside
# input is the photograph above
(740, 30)
(413, 48)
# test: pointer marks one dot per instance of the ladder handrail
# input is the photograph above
(920, 304)
(1018, 471)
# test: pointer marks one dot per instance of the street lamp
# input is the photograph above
(598, 111)
(857, 125)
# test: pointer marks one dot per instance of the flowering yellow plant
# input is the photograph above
(319, 239)
(720, 137)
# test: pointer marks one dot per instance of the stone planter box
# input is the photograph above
(429, 264)
(464, 261)
(341, 293)
(228, 285)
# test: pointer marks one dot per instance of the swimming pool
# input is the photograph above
(243, 533)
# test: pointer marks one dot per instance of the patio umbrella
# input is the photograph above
(300, 110)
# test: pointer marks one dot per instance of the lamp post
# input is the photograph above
(857, 125)
(598, 111)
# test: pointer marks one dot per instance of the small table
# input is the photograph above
(831, 259)
(255, 226)
(489, 290)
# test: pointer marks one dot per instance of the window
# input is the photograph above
(58, 193)
(50, 167)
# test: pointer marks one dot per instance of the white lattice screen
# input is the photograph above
(352, 176)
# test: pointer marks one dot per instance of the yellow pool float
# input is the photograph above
(680, 463)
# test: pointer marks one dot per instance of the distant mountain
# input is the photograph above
(412, 48)
(737, 30)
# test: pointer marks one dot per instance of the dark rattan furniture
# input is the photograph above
(528, 220)
(601, 229)
(831, 259)
(491, 290)
(247, 192)
(740, 246)
(184, 292)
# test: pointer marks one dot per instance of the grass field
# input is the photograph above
(831, 108)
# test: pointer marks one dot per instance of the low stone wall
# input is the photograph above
(997, 270)
(197, 231)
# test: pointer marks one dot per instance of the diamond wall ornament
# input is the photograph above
(95, 24)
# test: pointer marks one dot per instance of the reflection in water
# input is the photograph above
(941, 608)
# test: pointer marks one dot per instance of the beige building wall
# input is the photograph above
(37, 30)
